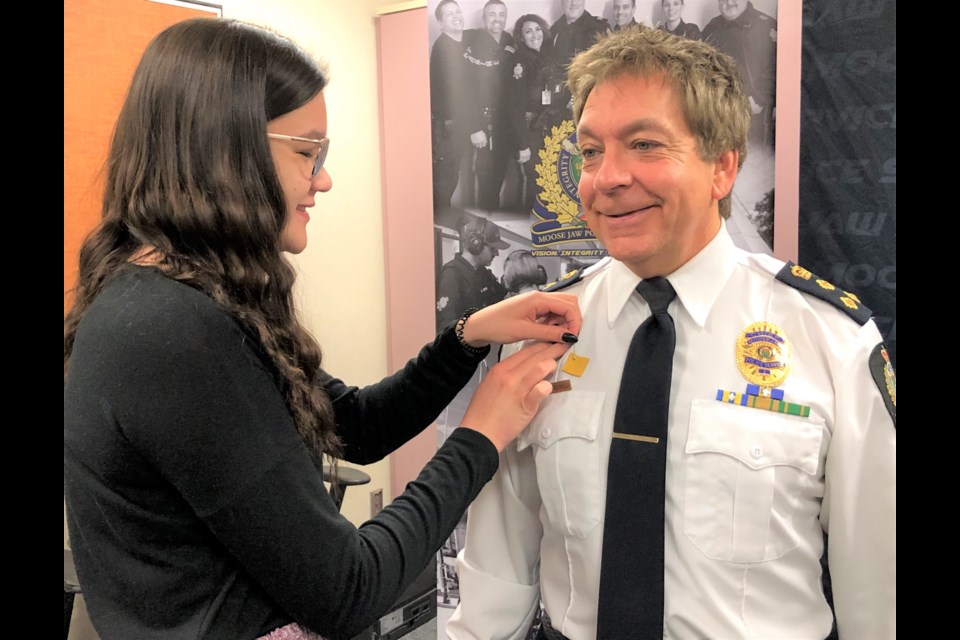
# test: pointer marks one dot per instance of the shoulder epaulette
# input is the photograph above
(565, 280)
(799, 278)
(886, 378)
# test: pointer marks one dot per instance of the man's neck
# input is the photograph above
(454, 35)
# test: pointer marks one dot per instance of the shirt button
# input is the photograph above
(756, 451)
(545, 433)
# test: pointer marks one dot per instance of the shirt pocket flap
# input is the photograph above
(755, 437)
(568, 414)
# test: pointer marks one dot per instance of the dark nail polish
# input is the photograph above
(569, 338)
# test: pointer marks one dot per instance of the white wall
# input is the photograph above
(341, 282)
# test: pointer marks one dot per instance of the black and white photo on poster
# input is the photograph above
(503, 139)
(505, 163)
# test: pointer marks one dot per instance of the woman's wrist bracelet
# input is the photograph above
(461, 323)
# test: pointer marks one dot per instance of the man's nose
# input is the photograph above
(612, 173)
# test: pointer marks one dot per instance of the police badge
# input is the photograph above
(763, 355)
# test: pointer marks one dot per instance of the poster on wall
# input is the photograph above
(848, 153)
(505, 163)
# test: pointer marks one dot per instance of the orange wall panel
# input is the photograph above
(102, 43)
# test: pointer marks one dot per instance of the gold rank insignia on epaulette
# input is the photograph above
(565, 280)
(799, 278)
(886, 378)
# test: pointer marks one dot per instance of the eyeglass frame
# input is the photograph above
(321, 157)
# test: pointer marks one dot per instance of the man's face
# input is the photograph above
(646, 193)
(623, 12)
(731, 9)
(451, 18)
(486, 256)
(672, 9)
(495, 19)
(573, 9)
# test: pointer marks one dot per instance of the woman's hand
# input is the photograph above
(535, 315)
(512, 391)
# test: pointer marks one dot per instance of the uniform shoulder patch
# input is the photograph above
(565, 280)
(799, 278)
(886, 378)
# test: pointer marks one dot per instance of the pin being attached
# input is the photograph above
(575, 364)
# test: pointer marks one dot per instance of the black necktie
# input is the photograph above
(631, 571)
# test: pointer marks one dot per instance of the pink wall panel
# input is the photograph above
(787, 180)
(406, 168)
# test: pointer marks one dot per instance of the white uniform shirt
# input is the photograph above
(749, 492)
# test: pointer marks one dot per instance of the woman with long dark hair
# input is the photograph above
(196, 410)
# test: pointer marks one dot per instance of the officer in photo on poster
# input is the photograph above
(535, 100)
(451, 119)
(575, 30)
(749, 36)
(466, 281)
(489, 51)
(674, 23)
(623, 11)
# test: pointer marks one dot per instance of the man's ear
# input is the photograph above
(724, 173)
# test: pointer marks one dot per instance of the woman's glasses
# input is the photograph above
(321, 156)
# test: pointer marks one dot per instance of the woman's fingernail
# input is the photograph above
(569, 338)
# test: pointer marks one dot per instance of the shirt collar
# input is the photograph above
(698, 282)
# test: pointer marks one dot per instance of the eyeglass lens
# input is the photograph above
(321, 157)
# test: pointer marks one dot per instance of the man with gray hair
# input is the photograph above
(726, 418)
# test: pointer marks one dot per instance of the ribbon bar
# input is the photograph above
(762, 402)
